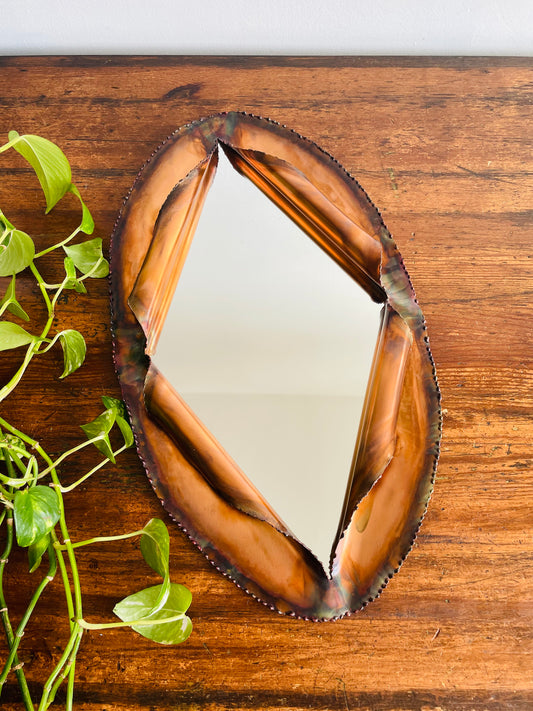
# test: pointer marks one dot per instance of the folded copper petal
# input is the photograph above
(172, 234)
(197, 481)
(204, 452)
(377, 439)
(339, 236)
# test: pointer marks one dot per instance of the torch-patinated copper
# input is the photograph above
(202, 488)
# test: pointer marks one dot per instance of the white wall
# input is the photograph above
(439, 27)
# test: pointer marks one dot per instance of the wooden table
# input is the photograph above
(444, 148)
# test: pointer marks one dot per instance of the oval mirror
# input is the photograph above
(266, 324)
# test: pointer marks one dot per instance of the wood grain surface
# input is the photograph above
(444, 149)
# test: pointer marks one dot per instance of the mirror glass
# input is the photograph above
(271, 343)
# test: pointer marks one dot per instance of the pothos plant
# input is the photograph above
(32, 487)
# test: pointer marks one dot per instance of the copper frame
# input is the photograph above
(198, 483)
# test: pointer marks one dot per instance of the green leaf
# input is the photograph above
(36, 512)
(5, 224)
(155, 546)
(87, 255)
(49, 163)
(139, 606)
(111, 403)
(13, 336)
(87, 222)
(121, 418)
(36, 552)
(16, 309)
(70, 270)
(102, 425)
(126, 431)
(74, 350)
(15, 441)
(122, 421)
(16, 252)
(73, 281)
(12, 304)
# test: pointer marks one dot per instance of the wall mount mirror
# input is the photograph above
(175, 372)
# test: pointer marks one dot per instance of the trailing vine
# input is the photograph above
(32, 488)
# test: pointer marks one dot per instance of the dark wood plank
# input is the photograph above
(443, 147)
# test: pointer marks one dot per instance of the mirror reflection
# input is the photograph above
(271, 343)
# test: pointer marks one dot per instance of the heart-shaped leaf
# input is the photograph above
(122, 419)
(73, 281)
(111, 403)
(88, 256)
(9, 300)
(13, 336)
(139, 607)
(155, 546)
(36, 512)
(87, 222)
(102, 425)
(49, 163)
(74, 350)
(16, 252)
(36, 552)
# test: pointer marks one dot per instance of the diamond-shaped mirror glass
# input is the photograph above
(270, 343)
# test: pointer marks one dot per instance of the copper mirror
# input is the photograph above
(391, 475)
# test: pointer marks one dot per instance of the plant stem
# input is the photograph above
(103, 539)
(18, 482)
(71, 487)
(72, 672)
(5, 307)
(6, 496)
(77, 632)
(69, 670)
(21, 470)
(75, 606)
(12, 384)
(34, 345)
(64, 577)
(8, 145)
(143, 622)
(29, 610)
(64, 456)
(21, 678)
(16, 461)
(13, 448)
(59, 244)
